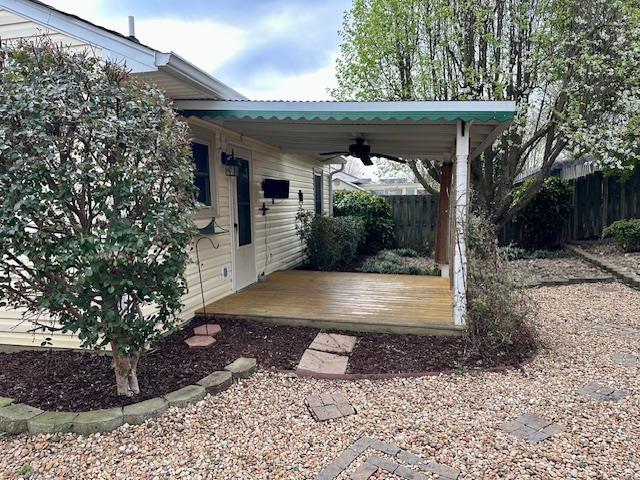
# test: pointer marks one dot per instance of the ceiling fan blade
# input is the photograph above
(335, 153)
(367, 160)
(388, 157)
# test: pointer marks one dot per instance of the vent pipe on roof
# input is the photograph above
(132, 29)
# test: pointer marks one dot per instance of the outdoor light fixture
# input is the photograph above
(231, 164)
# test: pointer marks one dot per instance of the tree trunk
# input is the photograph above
(125, 369)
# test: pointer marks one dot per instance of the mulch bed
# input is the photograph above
(66, 380)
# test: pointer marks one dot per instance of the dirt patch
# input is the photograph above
(65, 380)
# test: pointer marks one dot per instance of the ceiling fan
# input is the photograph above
(363, 152)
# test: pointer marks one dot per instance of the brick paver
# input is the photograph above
(329, 406)
(601, 392)
(531, 428)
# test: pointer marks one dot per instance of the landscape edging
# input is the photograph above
(632, 280)
(21, 425)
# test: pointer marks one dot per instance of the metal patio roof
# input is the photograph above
(405, 129)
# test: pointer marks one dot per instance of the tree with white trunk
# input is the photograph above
(96, 201)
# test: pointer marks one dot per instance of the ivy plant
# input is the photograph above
(96, 201)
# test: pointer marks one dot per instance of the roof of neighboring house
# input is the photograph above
(355, 186)
(347, 177)
(179, 78)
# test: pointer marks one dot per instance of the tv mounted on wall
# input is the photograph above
(275, 188)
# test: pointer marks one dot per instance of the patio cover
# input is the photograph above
(455, 132)
(404, 129)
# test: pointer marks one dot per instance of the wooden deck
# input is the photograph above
(349, 301)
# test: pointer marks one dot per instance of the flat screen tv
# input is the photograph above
(275, 188)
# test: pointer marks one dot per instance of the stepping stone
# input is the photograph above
(140, 412)
(210, 329)
(52, 422)
(96, 421)
(200, 341)
(364, 472)
(14, 418)
(322, 362)
(185, 396)
(603, 393)
(531, 428)
(333, 343)
(328, 406)
(5, 401)
(242, 367)
(217, 382)
(626, 359)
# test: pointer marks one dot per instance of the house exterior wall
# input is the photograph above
(14, 27)
(277, 246)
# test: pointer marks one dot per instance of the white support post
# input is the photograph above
(461, 213)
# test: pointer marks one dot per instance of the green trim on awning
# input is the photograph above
(433, 116)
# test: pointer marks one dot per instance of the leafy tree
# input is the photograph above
(96, 201)
(570, 65)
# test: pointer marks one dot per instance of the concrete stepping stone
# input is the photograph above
(14, 418)
(210, 329)
(531, 428)
(5, 401)
(140, 412)
(323, 362)
(626, 359)
(200, 341)
(603, 393)
(217, 382)
(51, 422)
(328, 406)
(185, 396)
(242, 367)
(96, 421)
(333, 343)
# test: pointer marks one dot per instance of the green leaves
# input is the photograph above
(96, 196)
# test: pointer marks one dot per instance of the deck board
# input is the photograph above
(344, 300)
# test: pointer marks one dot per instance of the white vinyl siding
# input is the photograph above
(14, 27)
(279, 250)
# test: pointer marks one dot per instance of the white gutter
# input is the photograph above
(185, 71)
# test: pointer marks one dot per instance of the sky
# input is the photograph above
(265, 49)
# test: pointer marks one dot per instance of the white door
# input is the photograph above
(244, 253)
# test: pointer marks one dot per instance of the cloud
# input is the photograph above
(264, 48)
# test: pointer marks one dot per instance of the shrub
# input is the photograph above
(498, 313)
(396, 262)
(626, 234)
(374, 211)
(511, 252)
(329, 242)
(96, 201)
(542, 219)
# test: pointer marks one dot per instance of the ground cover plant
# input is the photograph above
(403, 261)
(96, 201)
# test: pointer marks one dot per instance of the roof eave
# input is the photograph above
(189, 73)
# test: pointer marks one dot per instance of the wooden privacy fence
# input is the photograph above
(414, 218)
(598, 201)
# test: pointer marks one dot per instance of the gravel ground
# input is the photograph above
(547, 268)
(630, 261)
(259, 429)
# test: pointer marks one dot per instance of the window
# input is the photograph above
(243, 198)
(317, 192)
(202, 174)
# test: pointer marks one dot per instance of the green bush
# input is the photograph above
(374, 211)
(542, 219)
(396, 262)
(329, 242)
(512, 252)
(499, 315)
(626, 234)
